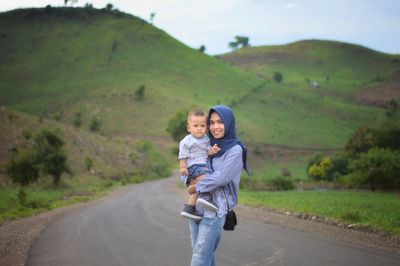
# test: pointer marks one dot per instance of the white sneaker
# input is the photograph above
(206, 204)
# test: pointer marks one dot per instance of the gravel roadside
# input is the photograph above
(16, 237)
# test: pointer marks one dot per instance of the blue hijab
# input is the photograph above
(230, 139)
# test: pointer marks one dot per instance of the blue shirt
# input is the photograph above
(226, 177)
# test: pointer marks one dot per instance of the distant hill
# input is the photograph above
(341, 69)
(60, 62)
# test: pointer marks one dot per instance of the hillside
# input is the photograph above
(341, 70)
(114, 159)
(68, 60)
(60, 63)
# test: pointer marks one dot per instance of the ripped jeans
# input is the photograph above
(205, 236)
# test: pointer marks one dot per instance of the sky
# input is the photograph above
(214, 23)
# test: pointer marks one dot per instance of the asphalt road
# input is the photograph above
(142, 226)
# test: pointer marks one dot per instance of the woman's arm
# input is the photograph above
(230, 167)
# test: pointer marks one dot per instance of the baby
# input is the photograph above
(194, 150)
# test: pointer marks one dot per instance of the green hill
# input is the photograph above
(295, 112)
(68, 60)
(341, 69)
(60, 62)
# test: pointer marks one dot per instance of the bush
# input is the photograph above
(139, 93)
(339, 167)
(277, 76)
(388, 138)
(379, 168)
(49, 153)
(23, 168)
(361, 140)
(320, 168)
(95, 124)
(282, 182)
(88, 163)
(177, 125)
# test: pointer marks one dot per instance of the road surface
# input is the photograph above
(142, 227)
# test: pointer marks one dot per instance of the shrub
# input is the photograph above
(22, 195)
(22, 168)
(319, 170)
(139, 93)
(388, 138)
(282, 182)
(361, 140)
(95, 124)
(49, 153)
(339, 168)
(88, 163)
(177, 125)
(379, 168)
(277, 76)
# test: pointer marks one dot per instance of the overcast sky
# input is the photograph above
(214, 23)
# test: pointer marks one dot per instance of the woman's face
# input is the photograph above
(217, 127)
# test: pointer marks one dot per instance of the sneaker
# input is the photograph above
(205, 200)
(189, 212)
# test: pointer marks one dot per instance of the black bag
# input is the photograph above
(230, 221)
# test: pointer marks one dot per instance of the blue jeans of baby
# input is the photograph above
(205, 236)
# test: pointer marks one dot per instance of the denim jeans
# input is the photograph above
(205, 236)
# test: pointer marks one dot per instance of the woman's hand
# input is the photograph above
(191, 189)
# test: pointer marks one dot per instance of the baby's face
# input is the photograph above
(197, 126)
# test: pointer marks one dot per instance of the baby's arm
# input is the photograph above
(183, 167)
(213, 150)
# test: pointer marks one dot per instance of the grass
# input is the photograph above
(44, 196)
(65, 71)
(380, 210)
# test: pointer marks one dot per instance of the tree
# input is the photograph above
(152, 15)
(109, 7)
(392, 109)
(49, 154)
(378, 168)
(71, 1)
(22, 168)
(139, 93)
(361, 140)
(88, 163)
(240, 42)
(278, 77)
(95, 124)
(319, 170)
(177, 126)
(202, 49)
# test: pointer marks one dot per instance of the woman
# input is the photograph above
(223, 184)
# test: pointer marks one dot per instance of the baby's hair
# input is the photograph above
(196, 112)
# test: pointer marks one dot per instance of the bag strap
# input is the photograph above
(226, 199)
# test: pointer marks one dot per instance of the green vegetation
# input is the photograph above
(240, 42)
(44, 196)
(371, 158)
(115, 126)
(45, 157)
(380, 210)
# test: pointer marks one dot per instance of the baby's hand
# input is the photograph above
(184, 171)
(214, 149)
